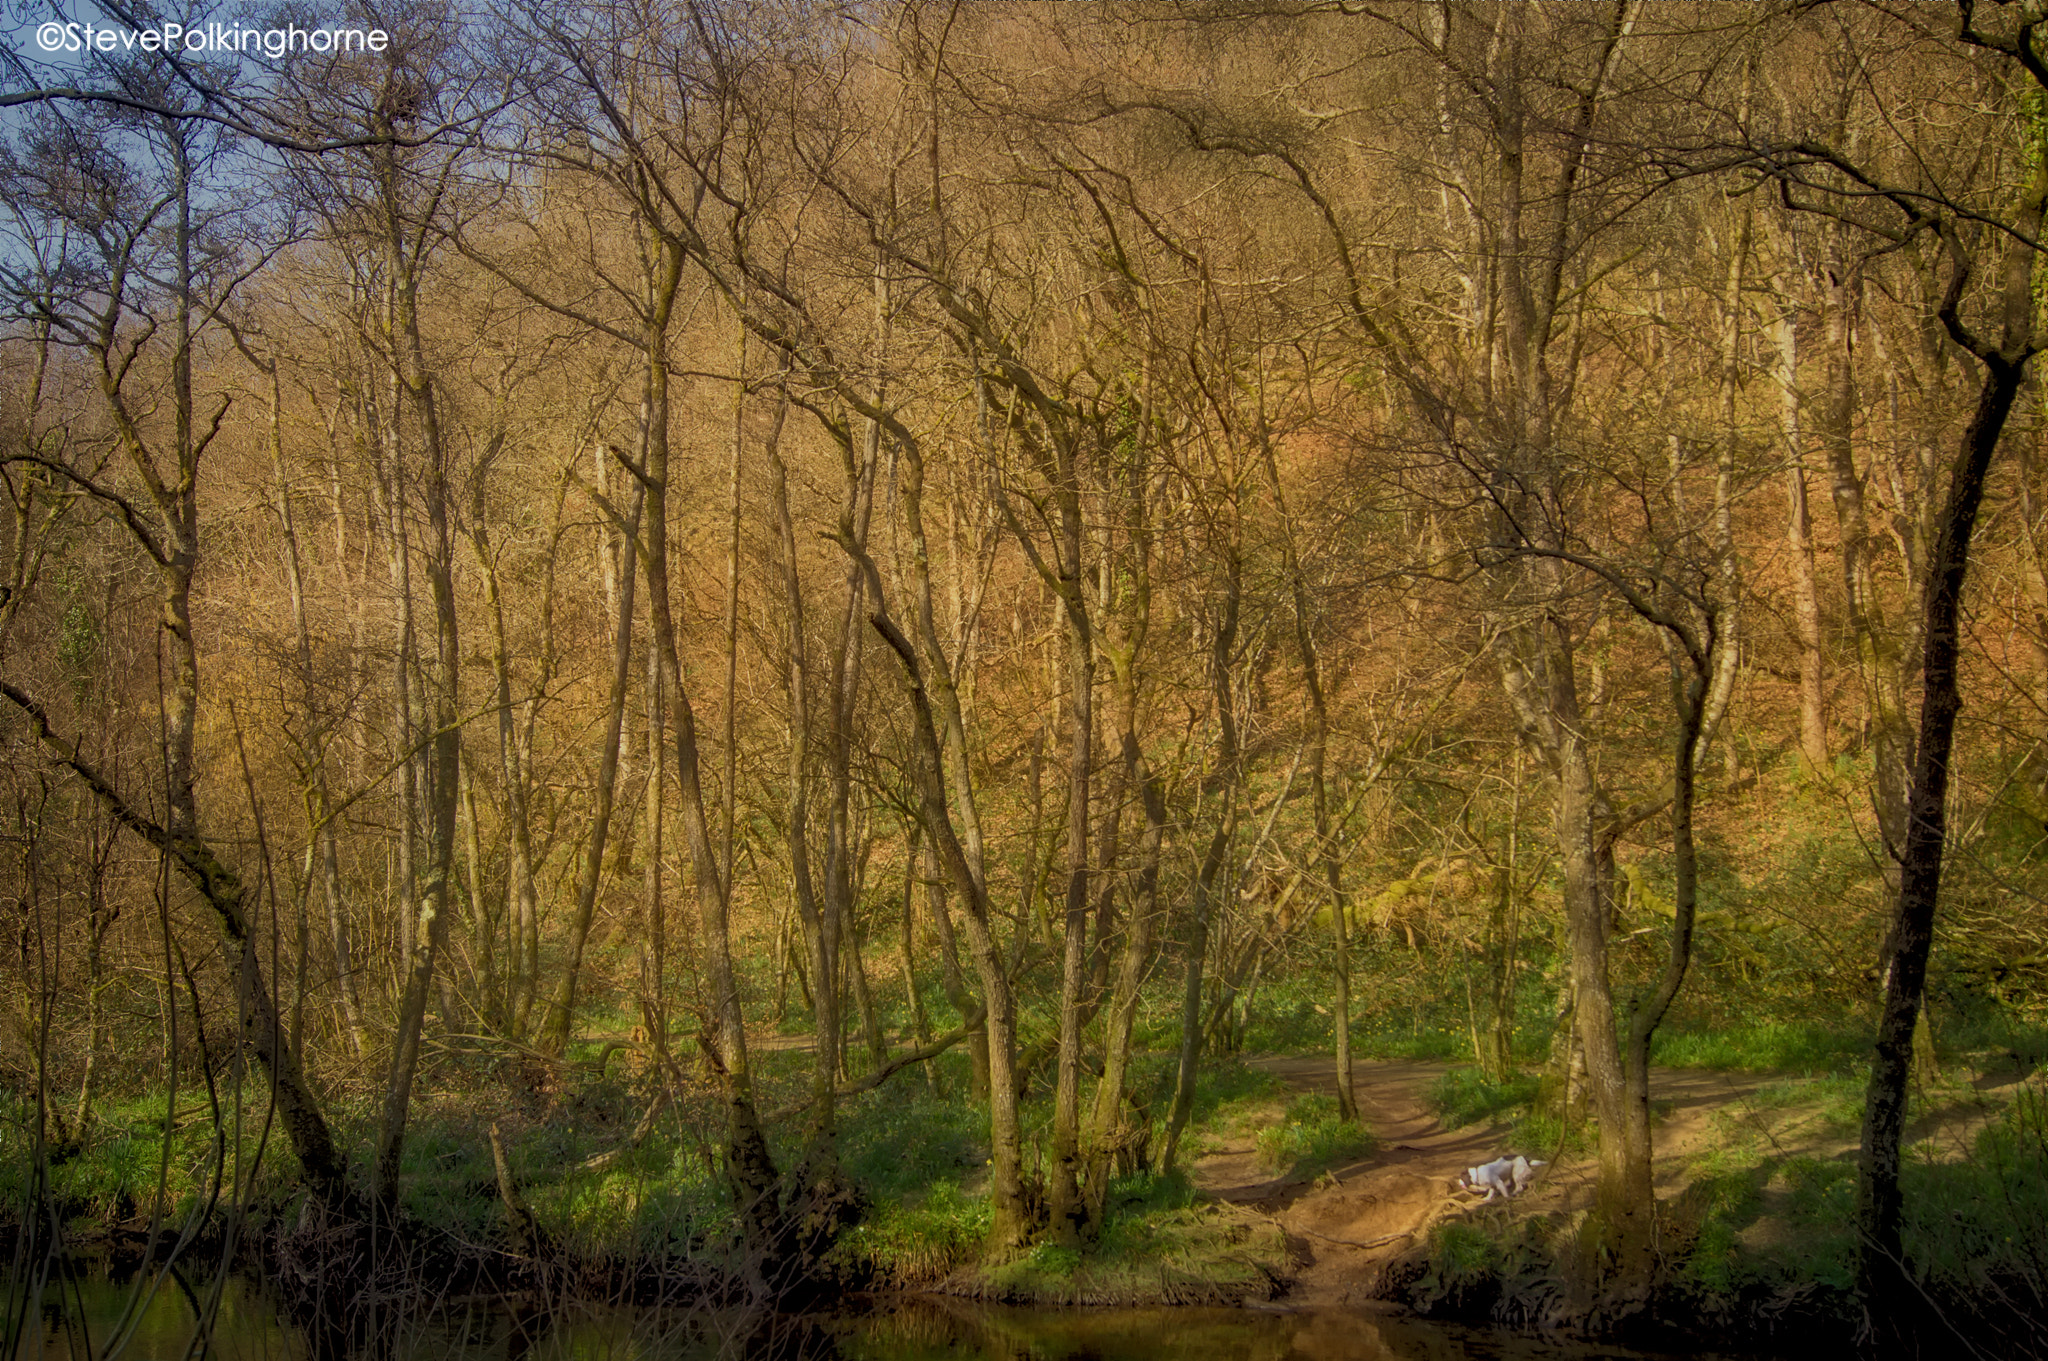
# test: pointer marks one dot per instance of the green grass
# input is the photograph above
(896, 1142)
(1194, 1254)
(926, 1238)
(1765, 1047)
(1232, 1098)
(1433, 1045)
(1507, 1270)
(1464, 1096)
(113, 1171)
(1981, 1224)
(919, 1163)
(1543, 1134)
(1312, 1137)
(898, 1245)
(1836, 1101)
(1768, 1224)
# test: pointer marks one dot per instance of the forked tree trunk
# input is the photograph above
(1329, 865)
(319, 803)
(820, 1171)
(524, 893)
(322, 1164)
(1107, 1138)
(442, 743)
(170, 472)
(1012, 1222)
(748, 1160)
(1066, 1208)
(1877, 649)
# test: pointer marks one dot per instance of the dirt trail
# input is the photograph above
(1348, 1225)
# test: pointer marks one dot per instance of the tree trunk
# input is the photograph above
(524, 893)
(1223, 782)
(263, 1030)
(1881, 1277)
(590, 871)
(749, 1162)
(317, 740)
(174, 548)
(945, 697)
(1876, 652)
(1068, 1212)
(100, 915)
(920, 1022)
(1618, 1243)
(1813, 730)
(1329, 864)
(953, 979)
(442, 743)
(1012, 1216)
(820, 1174)
(1106, 1138)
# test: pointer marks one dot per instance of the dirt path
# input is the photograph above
(1348, 1225)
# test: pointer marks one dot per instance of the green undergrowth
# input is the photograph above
(1224, 1087)
(1196, 1254)
(1462, 1097)
(1466, 1096)
(123, 1167)
(896, 1142)
(1771, 1207)
(1760, 1235)
(1768, 1208)
(573, 1162)
(664, 1197)
(1233, 1101)
(1157, 1245)
(915, 1153)
(1765, 1047)
(1312, 1137)
(1446, 1045)
(919, 1162)
(1506, 1271)
(909, 1244)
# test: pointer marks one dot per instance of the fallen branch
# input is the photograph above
(597, 1162)
(1369, 1243)
(891, 1068)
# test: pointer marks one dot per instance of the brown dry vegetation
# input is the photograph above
(1018, 543)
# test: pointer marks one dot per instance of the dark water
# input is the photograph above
(95, 1319)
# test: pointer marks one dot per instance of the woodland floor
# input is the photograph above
(1350, 1223)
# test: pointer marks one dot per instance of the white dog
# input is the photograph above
(1504, 1177)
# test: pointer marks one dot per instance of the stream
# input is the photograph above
(93, 1317)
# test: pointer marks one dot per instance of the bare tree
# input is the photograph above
(161, 266)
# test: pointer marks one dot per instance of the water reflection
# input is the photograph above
(926, 1330)
(94, 1318)
(154, 1315)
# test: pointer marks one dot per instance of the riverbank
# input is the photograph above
(1755, 1178)
(1280, 1204)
